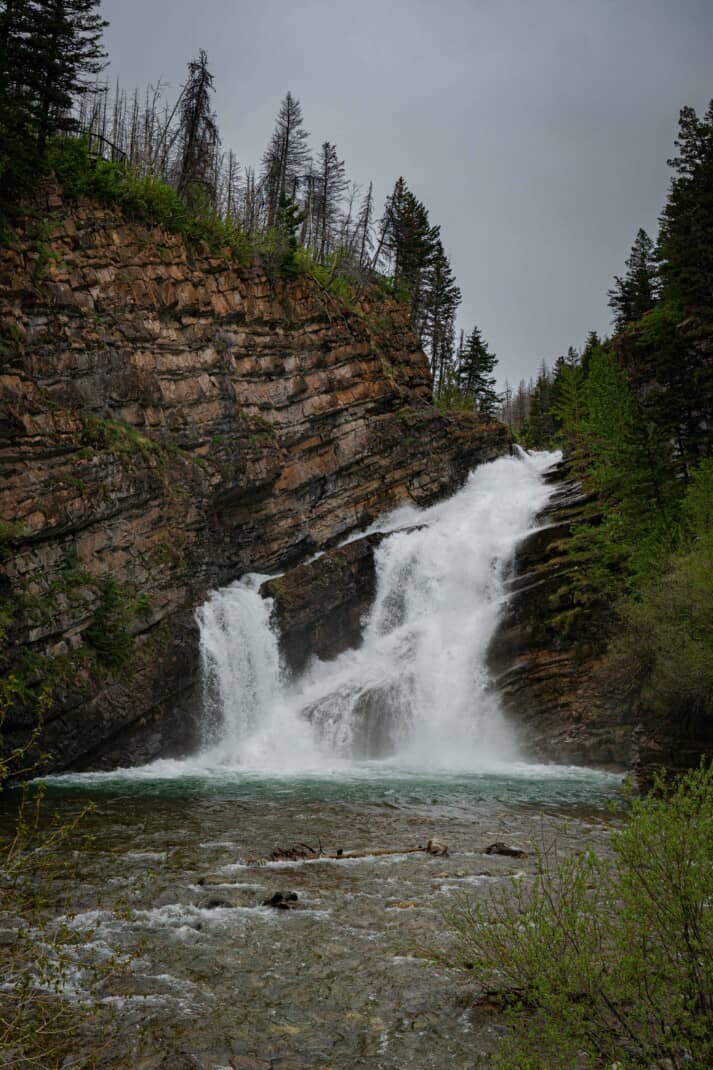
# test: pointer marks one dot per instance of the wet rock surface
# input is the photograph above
(546, 658)
(170, 419)
(319, 607)
(500, 848)
(547, 646)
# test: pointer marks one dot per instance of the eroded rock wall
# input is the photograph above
(550, 665)
(545, 653)
(170, 419)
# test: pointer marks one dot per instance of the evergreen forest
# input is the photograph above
(633, 414)
(162, 158)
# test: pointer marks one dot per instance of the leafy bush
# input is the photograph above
(606, 964)
(664, 652)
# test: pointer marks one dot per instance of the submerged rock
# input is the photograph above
(435, 847)
(501, 848)
(281, 900)
(214, 902)
(180, 1060)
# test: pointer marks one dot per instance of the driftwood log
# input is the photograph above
(300, 852)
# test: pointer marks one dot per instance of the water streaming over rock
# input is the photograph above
(416, 692)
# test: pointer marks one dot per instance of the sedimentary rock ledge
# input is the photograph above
(170, 419)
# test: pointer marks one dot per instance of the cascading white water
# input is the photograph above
(240, 661)
(416, 691)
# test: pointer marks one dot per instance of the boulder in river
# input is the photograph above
(281, 900)
(435, 847)
(501, 848)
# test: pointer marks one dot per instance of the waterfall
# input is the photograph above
(416, 692)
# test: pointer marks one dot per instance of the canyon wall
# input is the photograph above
(545, 653)
(170, 419)
(549, 662)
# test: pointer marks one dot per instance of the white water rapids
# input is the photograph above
(416, 692)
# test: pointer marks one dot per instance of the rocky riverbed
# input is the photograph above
(347, 975)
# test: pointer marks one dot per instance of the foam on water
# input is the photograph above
(413, 701)
(415, 695)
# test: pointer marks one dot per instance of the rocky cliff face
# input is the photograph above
(545, 653)
(319, 607)
(549, 666)
(170, 419)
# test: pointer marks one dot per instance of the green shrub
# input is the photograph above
(143, 197)
(109, 633)
(606, 964)
(663, 654)
(450, 397)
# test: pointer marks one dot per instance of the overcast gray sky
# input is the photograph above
(535, 131)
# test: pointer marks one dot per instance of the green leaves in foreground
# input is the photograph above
(606, 964)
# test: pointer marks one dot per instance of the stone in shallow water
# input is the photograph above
(436, 847)
(501, 848)
(214, 902)
(280, 900)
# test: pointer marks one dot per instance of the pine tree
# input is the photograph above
(541, 426)
(637, 292)
(685, 246)
(364, 228)
(251, 202)
(328, 187)
(18, 156)
(591, 346)
(286, 159)
(288, 220)
(50, 51)
(198, 135)
(569, 408)
(67, 54)
(520, 406)
(407, 245)
(231, 194)
(505, 413)
(668, 356)
(440, 303)
(475, 377)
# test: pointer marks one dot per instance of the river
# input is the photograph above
(385, 747)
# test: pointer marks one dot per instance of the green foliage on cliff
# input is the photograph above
(109, 633)
(634, 415)
(607, 963)
(31, 677)
(450, 397)
(49, 54)
(649, 553)
(664, 651)
(142, 196)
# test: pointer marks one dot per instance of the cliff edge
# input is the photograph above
(170, 419)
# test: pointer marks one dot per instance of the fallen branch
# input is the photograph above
(301, 852)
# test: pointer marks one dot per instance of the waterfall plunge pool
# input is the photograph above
(385, 747)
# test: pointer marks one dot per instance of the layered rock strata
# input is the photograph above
(547, 647)
(319, 607)
(170, 419)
